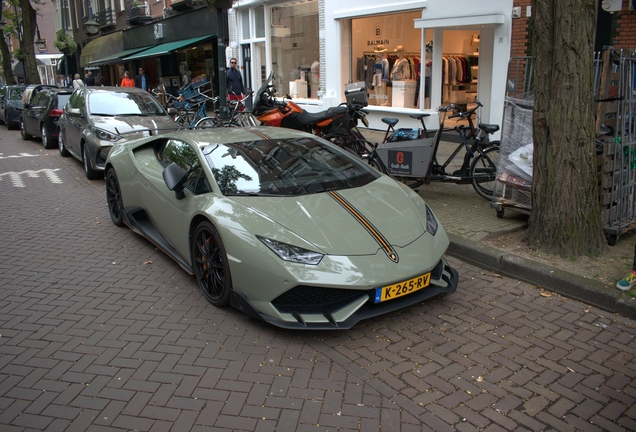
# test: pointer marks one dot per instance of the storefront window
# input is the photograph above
(387, 56)
(296, 49)
(460, 66)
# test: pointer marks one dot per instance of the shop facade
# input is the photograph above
(173, 51)
(412, 56)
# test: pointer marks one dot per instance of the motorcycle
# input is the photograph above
(271, 111)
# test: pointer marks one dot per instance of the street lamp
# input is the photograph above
(91, 27)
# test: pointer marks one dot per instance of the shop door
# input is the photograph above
(259, 66)
(246, 54)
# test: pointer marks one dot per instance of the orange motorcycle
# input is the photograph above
(271, 111)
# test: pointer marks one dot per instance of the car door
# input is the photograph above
(33, 114)
(74, 123)
(171, 216)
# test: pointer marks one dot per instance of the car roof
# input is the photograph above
(111, 89)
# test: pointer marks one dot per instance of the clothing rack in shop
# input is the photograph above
(405, 53)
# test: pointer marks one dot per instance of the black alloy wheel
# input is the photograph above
(113, 197)
(211, 265)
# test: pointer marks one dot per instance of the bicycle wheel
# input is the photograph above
(483, 170)
(206, 123)
(186, 118)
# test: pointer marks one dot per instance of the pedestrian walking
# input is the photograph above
(89, 79)
(127, 81)
(234, 81)
(77, 82)
(141, 80)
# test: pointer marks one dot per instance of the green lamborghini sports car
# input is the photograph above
(280, 224)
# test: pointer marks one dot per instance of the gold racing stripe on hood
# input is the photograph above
(260, 134)
(367, 225)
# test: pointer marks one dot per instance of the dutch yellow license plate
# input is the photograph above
(391, 292)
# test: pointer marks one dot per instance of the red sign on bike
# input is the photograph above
(400, 162)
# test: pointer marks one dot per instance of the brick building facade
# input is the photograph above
(621, 32)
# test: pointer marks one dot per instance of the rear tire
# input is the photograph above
(47, 141)
(186, 119)
(484, 171)
(10, 124)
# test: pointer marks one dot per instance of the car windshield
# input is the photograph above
(116, 104)
(285, 167)
(15, 92)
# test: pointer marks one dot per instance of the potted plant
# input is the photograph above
(64, 43)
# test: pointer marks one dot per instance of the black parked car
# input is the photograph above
(11, 105)
(41, 115)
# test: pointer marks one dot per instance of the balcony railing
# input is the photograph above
(137, 12)
(106, 18)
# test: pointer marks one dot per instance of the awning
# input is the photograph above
(460, 21)
(167, 48)
(117, 58)
(101, 47)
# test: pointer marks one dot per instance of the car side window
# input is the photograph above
(77, 99)
(186, 157)
(40, 99)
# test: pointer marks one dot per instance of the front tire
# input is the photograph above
(60, 145)
(206, 123)
(483, 170)
(25, 136)
(114, 199)
(91, 174)
(210, 264)
(10, 124)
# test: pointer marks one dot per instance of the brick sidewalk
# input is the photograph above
(100, 331)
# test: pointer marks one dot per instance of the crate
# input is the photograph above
(407, 158)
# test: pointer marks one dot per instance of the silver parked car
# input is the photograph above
(95, 118)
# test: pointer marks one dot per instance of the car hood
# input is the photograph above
(125, 124)
(348, 222)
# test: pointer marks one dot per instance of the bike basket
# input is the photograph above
(406, 134)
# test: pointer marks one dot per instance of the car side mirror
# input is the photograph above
(73, 111)
(173, 111)
(175, 177)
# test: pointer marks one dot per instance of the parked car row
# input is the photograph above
(278, 223)
(85, 122)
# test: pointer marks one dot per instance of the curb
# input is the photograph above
(570, 285)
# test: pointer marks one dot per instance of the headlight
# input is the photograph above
(431, 222)
(105, 135)
(291, 253)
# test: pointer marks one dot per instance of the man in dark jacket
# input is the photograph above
(141, 80)
(89, 79)
(234, 81)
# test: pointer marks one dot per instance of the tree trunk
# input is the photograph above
(6, 61)
(566, 216)
(29, 23)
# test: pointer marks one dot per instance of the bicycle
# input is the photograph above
(197, 117)
(237, 116)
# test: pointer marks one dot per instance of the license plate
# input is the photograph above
(390, 292)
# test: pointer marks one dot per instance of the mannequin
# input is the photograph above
(401, 69)
(314, 79)
(381, 75)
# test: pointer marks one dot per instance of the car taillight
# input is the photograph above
(56, 113)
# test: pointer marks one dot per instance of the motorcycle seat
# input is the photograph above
(308, 118)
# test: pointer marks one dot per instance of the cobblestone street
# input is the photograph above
(100, 331)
